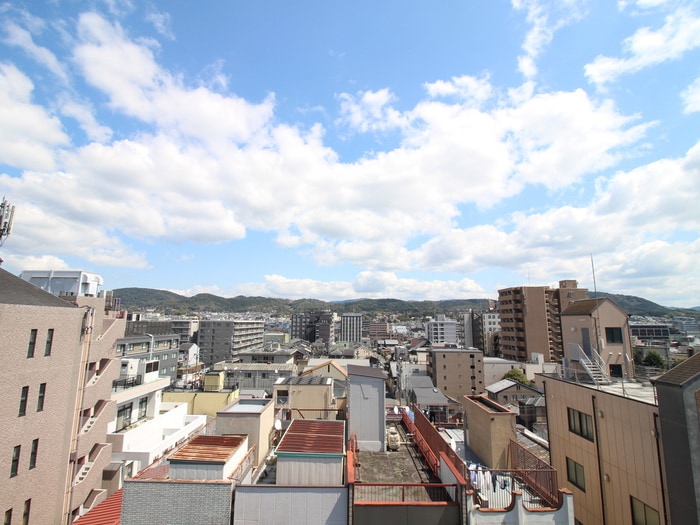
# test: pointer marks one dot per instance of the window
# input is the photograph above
(574, 473)
(49, 342)
(14, 468)
(580, 424)
(32, 343)
(123, 417)
(143, 407)
(42, 396)
(8, 517)
(613, 335)
(25, 514)
(33, 453)
(643, 514)
(23, 401)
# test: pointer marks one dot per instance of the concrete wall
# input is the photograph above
(284, 505)
(408, 514)
(257, 425)
(519, 515)
(207, 403)
(176, 503)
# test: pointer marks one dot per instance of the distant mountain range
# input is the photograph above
(138, 299)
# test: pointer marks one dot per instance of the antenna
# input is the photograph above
(7, 213)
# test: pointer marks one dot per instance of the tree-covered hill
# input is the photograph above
(137, 299)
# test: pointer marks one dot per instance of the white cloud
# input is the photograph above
(370, 111)
(161, 22)
(83, 114)
(128, 74)
(545, 19)
(370, 285)
(647, 47)
(691, 97)
(28, 134)
(22, 38)
(471, 90)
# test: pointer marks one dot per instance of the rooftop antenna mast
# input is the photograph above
(7, 213)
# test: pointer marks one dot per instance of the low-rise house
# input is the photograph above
(195, 484)
(307, 397)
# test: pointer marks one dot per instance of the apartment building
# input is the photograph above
(161, 348)
(457, 371)
(60, 350)
(351, 328)
(441, 330)
(222, 340)
(529, 318)
(314, 326)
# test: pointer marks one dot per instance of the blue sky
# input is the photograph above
(340, 150)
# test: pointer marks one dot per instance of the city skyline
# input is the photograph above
(353, 150)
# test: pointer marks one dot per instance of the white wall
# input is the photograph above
(276, 505)
(367, 413)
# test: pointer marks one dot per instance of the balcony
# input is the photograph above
(126, 383)
(89, 474)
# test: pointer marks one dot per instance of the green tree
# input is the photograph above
(516, 374)
(653, 359)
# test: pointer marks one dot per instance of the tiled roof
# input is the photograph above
(328, 363)
(106, 513)
(681, 373)
(314, 437)
(366, 371)
(14, 290)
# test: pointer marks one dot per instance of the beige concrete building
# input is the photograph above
(307, 397)
(457, 371)
(488, 430)
(251, 417)
(604, 442)
(529, 318)
(60, 351)
(597, 343)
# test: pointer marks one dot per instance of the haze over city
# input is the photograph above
(340, 150)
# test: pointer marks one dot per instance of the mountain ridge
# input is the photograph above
(173, 303)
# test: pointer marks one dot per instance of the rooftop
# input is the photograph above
(208, 449)
(313, 437)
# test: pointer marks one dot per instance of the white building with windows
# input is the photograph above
(351, 328)
(145, 427)
(441, 330)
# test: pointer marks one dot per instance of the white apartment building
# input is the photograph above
(441, 330)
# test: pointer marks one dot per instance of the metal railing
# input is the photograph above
(404, 492)
(127, 382)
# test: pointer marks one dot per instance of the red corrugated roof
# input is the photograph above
(106, 513)
(314, 436)
(209, 449)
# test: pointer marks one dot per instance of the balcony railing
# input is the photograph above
(127, 382)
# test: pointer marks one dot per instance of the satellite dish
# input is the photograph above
(278, 424)
(396, 410)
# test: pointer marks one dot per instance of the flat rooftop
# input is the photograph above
(405, 465)
(246, 406)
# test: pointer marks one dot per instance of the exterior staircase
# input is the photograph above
(593, 366)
